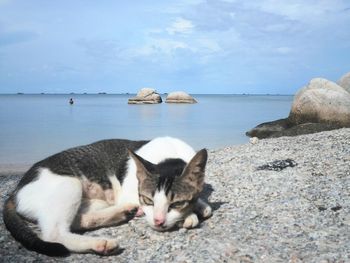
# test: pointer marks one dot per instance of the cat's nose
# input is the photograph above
(159, 221)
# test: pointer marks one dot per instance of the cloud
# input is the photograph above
(156, 49)
(180, 26)
(309, 12)
(226, 41)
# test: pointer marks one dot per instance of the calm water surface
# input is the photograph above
(35, 126)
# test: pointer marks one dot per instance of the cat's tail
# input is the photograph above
(23, 234)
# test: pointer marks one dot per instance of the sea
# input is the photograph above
(33, 127)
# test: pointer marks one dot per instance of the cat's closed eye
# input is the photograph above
(178, 205)
(146, 200)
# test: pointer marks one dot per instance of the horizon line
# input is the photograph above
(127, 93)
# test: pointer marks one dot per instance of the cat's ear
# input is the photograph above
(195, 170)
(144, 168)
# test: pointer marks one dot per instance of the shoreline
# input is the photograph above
(297, 214)
(14, 168)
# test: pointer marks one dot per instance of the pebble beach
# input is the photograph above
(298, 213)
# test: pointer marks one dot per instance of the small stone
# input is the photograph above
(336, 208)
(254, 140)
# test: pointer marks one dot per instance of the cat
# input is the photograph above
(103, 184)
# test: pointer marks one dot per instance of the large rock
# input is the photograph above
(320, 106)
(268, 129)
(344, 82)
(179, 97)
(146, 96)
(321, 101)
(283, 127)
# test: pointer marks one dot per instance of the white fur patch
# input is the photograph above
(34, 199)
(161, 205)
(162, 148)
(52, 200)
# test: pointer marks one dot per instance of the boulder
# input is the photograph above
(179, 97)
(344, 82)
(321, 101)
(267, 129)
(275, 129)
(322, 105)
(146, 96)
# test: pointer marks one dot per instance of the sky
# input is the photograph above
(228, 47)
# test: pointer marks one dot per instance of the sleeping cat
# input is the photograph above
(104, 184)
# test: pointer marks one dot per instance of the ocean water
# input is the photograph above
(35, 126)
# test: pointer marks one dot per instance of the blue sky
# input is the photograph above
(252, 46)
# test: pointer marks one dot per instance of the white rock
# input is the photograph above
(254, 140)
(179, 97)
(345, 82)
(321, 101)
(146, 96)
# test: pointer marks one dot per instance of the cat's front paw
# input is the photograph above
(130, 211)
(206, 212)
(130, 214)
(203, 209)
(190, 221)
(139, 212)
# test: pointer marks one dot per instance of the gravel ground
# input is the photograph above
(296, 214)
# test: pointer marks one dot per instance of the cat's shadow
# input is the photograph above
(206, 193)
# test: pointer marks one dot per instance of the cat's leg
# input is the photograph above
(92, 190)
(112, 215)
(202, 208)
(90, 205)
(57, 200)
(87, 206)
(78, 243)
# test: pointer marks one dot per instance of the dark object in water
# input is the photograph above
(278, 165)
(71, 102)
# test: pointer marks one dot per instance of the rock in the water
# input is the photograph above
(344, 82)
(146, 96)
(322, 105)
(267, 129)
(283, 127)
(179, 97)
(321, 101)
(305, 128)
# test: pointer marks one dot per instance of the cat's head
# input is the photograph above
(169, 190)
